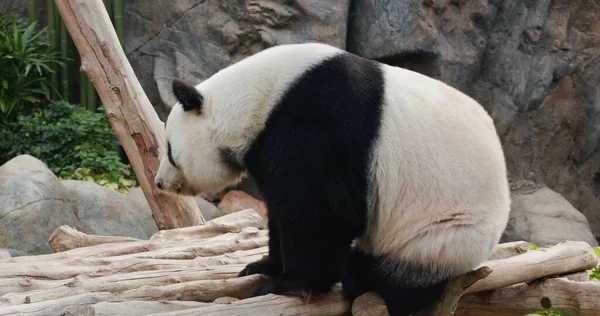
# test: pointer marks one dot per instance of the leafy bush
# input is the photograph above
(26, 61)
(74, 142)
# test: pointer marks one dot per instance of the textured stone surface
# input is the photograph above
(103, 211)
(544, 217)
(534, 65)
(192, 39)
(32, 204)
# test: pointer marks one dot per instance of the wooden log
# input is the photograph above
(219, 245)
(64, 238)
(575, 298)
(200, 291)
(54, 307)
(25, 282)
(122, 282)
(220, 225)
(247, 222)
(140, 264)
(133, 308)
(131, 115)
(332, 304)
(510, 249)
(565, 257)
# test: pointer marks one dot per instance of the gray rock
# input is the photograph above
(545, 217)
(32, 204)
(532, 64)
(103, 211)
(5, 254)
(138, 200)
(193, 39)
(208, 210)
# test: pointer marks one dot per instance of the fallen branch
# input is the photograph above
(210, 247)
(565, 257)
(220, 225)
(510, 249)
(133, 308)
(246, 222)
(200, 291)
(333, 304)
(64, 238)
(122, 282)
(119, 268)
(573, 297)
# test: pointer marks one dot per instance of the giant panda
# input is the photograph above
(374, 176)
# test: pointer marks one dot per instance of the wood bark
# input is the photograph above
(194, 271)
(575, 298)
(131, 115)
(64, 238)
(565, 257)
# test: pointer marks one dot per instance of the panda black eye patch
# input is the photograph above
(170, 155)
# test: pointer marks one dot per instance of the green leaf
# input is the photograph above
(597, 251)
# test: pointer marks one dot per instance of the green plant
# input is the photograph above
(25, 63)
(73, 142)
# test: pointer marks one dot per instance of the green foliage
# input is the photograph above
(26, 61)
(594, 274)
(548, 312)
(73, 142)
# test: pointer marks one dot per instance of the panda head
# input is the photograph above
(195, 161)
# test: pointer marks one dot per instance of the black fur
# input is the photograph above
(170, 155)
(310, 163)
(187, 95)
(366, 273)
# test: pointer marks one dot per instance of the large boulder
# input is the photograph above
(32, 204)
(193, 39)
(532, 64)
(5, 254)
(103, 211)
(544, 217)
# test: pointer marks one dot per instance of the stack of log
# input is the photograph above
(193, 271)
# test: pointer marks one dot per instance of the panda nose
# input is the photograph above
(159, 184)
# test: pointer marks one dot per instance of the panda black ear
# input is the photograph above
(187, 95)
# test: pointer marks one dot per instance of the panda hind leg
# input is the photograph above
(365, 273)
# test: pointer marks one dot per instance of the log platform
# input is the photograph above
(193, 271)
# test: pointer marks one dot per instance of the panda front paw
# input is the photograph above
(292, 287)
(264, 266)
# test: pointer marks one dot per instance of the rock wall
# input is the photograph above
(534, 65)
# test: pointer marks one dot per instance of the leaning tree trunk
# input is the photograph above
(131, 115)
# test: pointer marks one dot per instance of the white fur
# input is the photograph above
(438, 158)
(237, 101)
